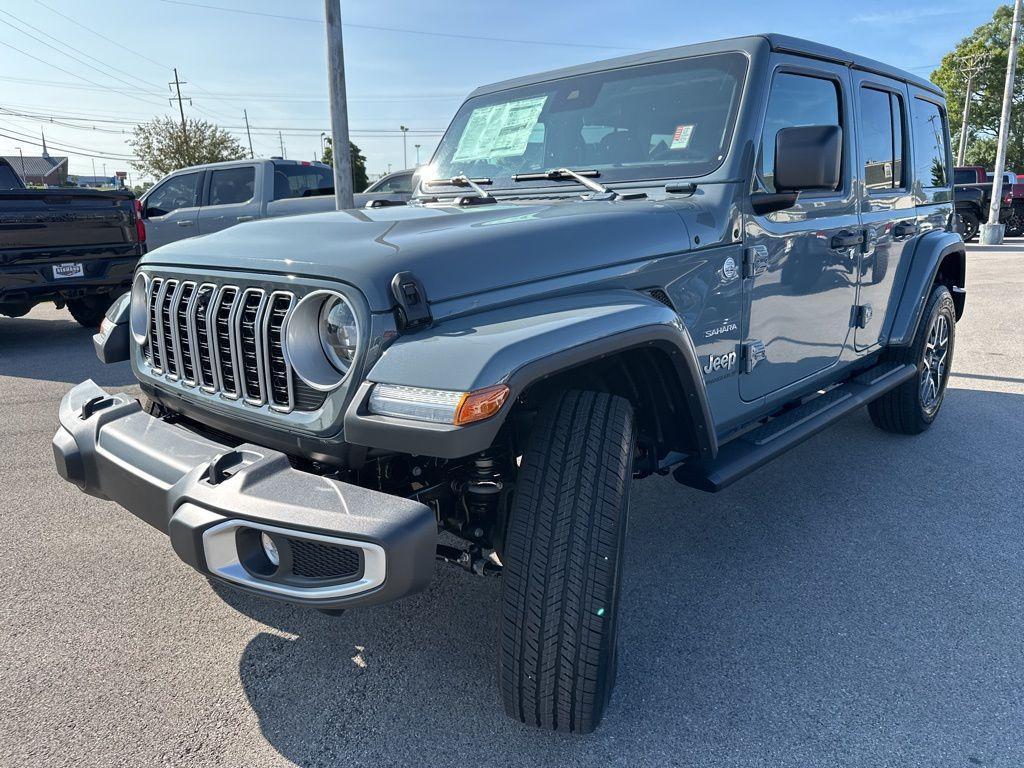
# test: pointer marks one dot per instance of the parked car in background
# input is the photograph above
(75, 247)
(1012, 182)
(684, 262)
(202, 199)
(970, 210)
(977, 177)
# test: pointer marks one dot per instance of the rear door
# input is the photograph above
(888, 211)
(800, 294)
(171, 209)
(230, 198)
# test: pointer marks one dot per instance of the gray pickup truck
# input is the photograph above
(202, 199)
(675, 263)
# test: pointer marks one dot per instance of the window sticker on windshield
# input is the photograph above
(499, 130)
(681, 138)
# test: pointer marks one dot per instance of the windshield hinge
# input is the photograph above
(412, 310)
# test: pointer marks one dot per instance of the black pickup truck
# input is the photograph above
(75, 247)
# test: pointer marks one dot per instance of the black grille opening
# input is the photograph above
(181, 323)
(277, 367)
(166, 318)
(248, 349)
(222, 326)
(319, 560)
(152, 349)
(204, 369)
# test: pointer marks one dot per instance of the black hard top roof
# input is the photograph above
(750, 44)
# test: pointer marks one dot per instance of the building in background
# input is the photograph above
(40, 170)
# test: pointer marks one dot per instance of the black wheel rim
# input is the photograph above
(934, 368)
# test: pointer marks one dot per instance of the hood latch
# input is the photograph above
(413, 309)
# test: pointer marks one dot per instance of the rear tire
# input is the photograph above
(969, 225)
(563, 563)
(88, 311)
(912, 407)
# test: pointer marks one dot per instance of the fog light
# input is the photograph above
(270, 549)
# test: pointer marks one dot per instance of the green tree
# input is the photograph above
(992, 39)
(359, 178)
(161, 146)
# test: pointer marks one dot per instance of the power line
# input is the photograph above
(118, 43)
(400, 30)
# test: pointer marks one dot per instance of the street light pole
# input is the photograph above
(23, 174)
(992, 232)
(405, 154)
(339, 107)
(417, 155)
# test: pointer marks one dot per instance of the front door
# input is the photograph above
(801, 263)
(888, 213)
(171, 210)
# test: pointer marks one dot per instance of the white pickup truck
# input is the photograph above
(207, 198)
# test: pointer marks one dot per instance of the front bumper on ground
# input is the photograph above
(339, 545)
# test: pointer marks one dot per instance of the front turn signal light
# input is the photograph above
(481, 404)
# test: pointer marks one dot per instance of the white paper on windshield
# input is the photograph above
(499, 130)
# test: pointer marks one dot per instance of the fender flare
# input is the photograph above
(519, 346)
(930, 252)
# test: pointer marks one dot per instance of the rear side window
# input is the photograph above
(8, 178)
(302, 181)
(232, 185)
(965, 177)
(179, 192)
(795, 100)
(930, 144)
(881, 139)
(394, 184)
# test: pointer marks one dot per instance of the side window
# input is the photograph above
(398, 184)
(179, 192)
(302, 180)
(881, 139)
(930, 145)
(964, 177)
(232, 185)
(795, 100)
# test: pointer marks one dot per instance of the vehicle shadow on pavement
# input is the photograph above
(805, 610)
(57, 350)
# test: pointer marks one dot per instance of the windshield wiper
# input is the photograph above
(462, 181)
(600, 191)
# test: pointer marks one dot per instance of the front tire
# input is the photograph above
(563, 563)
(912, 407)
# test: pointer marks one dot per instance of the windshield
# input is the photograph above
(668, 120)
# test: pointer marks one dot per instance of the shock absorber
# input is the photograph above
(482, 493)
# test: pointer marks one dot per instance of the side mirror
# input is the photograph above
(807, 157)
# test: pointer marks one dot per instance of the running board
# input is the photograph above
(757, 447)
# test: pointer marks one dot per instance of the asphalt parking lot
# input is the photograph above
(856, 603)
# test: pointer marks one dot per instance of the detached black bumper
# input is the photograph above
(337, 545)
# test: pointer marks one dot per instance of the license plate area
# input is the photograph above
(71, 269)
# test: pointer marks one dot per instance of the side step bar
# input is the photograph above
(759, 446)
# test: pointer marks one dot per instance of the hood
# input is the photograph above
(454, 251)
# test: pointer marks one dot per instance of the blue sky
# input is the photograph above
(275, 67)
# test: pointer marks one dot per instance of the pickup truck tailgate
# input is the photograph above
(34, 221)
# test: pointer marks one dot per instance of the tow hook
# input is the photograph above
(475, 560)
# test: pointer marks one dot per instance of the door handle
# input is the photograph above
(185, 223)
(905, 229)
(846, 239)
(245, 218)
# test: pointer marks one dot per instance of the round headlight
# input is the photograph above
(321, 339)
(339, 334)
(139, 313)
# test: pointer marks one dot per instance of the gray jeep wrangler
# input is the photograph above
(681, 262)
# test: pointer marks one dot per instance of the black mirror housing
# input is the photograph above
(808, 157)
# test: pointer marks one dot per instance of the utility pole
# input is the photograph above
(417, 155)
(970, 67)
(339, 106)
(245, 114)
(280, 140)
(405, 154)
(992, 232)
(23, 174)
(323, 137)
(181, 110)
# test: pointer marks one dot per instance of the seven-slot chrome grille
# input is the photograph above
(223, 339)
